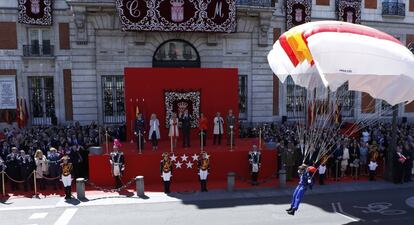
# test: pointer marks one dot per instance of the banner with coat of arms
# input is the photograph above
(179, 101)
(35, 12)
(298, 12)
(178, 15)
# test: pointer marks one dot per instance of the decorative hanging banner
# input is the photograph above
(35, 12)
(179, 101)
(8, 92)
(298, 12)
(349, 11)
(178, 15)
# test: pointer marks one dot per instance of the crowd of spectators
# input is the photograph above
(342, 153)
(40, 149)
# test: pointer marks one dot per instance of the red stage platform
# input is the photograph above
(147, 164)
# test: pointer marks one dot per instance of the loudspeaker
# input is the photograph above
(284, 119)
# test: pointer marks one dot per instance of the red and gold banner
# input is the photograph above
(178, 15)
(35, 12)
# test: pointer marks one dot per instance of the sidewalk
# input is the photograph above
(129, 197)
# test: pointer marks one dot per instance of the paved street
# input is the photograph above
(386, 206)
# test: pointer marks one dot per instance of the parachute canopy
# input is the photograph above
(330, 53)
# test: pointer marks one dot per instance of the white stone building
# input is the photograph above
(76, 70)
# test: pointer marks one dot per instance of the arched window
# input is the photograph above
(176, 53)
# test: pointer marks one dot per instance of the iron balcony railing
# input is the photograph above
(261, 3)
(38, 50)
(393, 9)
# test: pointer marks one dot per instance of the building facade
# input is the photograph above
(72, 69)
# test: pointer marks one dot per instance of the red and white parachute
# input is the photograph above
(331, 53)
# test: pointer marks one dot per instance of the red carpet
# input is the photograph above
(222, 161)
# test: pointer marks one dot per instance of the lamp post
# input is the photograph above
(392, 148)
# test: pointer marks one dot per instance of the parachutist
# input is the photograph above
(305, 174)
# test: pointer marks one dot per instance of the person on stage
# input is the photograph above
(230, 127)
(154, 131)
(203, 129)
(254, 160)
(117, 161)
(139, 131)
(218, 128)
(66, 176)
(185, 121)
(304, 182)
(173, 132)
(166, 171)
(203, 169)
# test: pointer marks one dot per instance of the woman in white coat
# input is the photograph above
(154, 132)
(173, 132)
(41, 168)
(218, 128)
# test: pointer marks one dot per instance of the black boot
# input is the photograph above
(205, 185)
(69, 192)
(66, 192)
(291, 212)
(289, 209)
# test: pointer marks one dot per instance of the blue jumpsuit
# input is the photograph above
(304, 182)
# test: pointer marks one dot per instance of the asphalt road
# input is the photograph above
(363, 207)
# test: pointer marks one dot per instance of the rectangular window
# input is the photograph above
(295, 99)
(386, 109)
(346, 99)
(39, 43)
(42, 100)
(113, 100)
(243, 96)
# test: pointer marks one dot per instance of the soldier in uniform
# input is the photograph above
(166, 171)
(304, 182)
(117, 161)
(139, 130)
(254, 160)
(203, 166)
(13, 169)
(230, 126)
(66, 176)
(53, 158)
(26, 168)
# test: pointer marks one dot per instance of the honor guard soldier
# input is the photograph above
(139, 130)
(166, 171)
(117, 161)
(203, 166)
(67, 176)
(254, 160)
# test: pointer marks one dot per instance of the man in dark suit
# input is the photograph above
(139, 130)
(185, 120)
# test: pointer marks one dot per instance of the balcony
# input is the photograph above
(259, 3)
(393, 9)
(38, 50)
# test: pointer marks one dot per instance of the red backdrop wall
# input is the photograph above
(145, 87)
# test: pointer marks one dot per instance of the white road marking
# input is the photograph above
(410, 201)
(38, 216)
(337, 208)
(66, 216)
